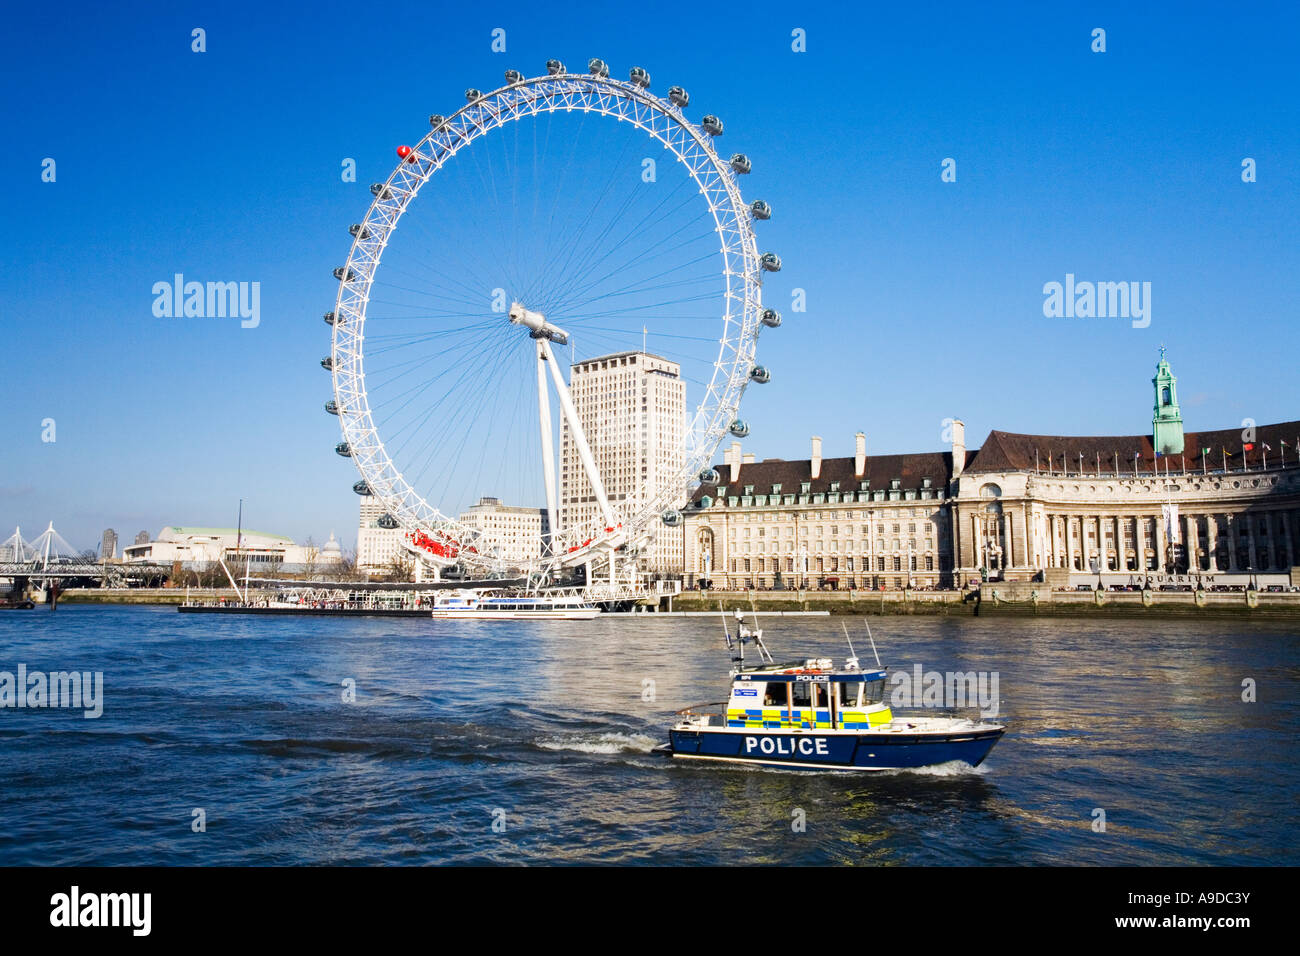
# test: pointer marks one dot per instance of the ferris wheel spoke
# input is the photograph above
(433, 406)
(575, 241)
(648, 254)
(637, 230)
(454, 435)
(412, 365)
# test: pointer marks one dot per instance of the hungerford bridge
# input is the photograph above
(48, 558)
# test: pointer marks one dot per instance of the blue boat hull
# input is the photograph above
(813, 751)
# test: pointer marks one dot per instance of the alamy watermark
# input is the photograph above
(922, 688)
(210, 300)
(37, 689)
(1102, 300)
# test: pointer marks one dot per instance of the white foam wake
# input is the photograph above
(605, 743)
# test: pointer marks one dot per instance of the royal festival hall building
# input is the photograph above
(1171, 506)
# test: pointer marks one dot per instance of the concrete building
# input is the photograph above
(514, 533)
(195, 548)
(632, 406)
(1067, 510)
(108, 546)
(853, 522)
(377, 545)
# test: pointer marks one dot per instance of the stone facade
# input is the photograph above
(1099, 510)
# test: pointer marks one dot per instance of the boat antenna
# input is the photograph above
(853, 655)
(873, 643)
(758, 633)
(725, 629)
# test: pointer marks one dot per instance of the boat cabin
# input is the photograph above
(808, 696)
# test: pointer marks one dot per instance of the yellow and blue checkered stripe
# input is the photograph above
(776, 718)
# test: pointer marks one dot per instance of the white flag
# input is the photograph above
(1171, 522)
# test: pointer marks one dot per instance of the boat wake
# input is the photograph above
(604, 743)
(953, 768)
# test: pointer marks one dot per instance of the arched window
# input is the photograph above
(1164, 395)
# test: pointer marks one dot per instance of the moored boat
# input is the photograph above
(562, 605)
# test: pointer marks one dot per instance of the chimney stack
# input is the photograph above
(748, 458)
(860, 456)
(732, 460)
(816, 457)
(958, 447)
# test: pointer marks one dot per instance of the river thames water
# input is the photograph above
(542, 728)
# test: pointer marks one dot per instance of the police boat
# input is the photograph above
(811, 715)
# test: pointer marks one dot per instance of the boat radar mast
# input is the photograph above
(744, 634)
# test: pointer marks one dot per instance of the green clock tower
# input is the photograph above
(1166, 419)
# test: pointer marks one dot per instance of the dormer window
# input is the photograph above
(749, 489)
(895, 484)
(805, 487)
(835, 486)
(776, 489)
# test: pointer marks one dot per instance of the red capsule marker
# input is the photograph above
(404, 152)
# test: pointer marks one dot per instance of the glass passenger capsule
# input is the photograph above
(362, 487)
(381, 191)
(513, 77)
(709, 476)
(555, 67)
(740, 163)
(332, 407)
(760, 375)
(327, 363)
(597, 67)
(344, 449)
(639, 77)
(329, 318)
(771, 318)
(760, 209)
(359, 231)
(679, 97)
(739, 428)
(712, 125)
(672, 517)
(771, 262)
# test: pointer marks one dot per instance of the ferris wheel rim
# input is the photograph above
(742, 276)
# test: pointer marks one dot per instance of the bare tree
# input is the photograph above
(401, 567)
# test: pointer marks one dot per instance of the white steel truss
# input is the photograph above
(741, 270)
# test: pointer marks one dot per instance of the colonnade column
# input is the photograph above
(1212, 541)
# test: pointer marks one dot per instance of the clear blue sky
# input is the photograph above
(924, 298)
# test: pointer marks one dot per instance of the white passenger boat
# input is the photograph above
(567, 605)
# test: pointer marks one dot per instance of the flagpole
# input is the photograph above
(1204, 468)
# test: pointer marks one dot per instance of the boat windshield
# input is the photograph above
(872, 692)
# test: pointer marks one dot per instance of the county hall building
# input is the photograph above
(1170, 506)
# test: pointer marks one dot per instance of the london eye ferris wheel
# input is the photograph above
(560, 218)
